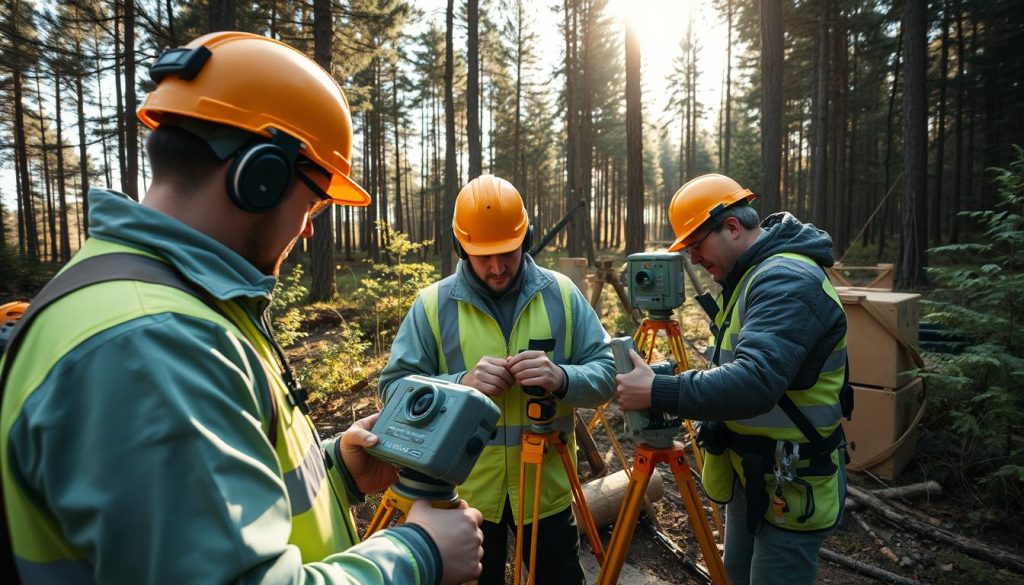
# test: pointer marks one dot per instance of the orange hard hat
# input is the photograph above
(701, 199)
(9, 315)
(490, 217)
(259, 85)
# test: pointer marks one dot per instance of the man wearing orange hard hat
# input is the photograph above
(152, 430)
(501, 324)
(772, 402)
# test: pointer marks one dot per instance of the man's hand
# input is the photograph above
(457, 536)
(369, 473)
(534, 368)
(490, 376)
(634, 389)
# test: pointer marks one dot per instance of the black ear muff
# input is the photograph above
(261, 172)
(459, 250)
(528, 239)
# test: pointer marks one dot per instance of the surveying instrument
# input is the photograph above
(536, 441)
(434, 431)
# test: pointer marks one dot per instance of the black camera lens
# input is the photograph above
(421, 402)
(643, 279)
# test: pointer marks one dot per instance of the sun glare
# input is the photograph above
(660, 26)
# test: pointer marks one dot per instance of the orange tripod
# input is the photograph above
(625, 525)
(535, 442)
(409, 487)
(646, 338)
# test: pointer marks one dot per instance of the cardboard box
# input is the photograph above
(876, 356)
(880, 417)
(576, 270)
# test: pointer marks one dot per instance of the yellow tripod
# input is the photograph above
(409, 487)
(535, 442)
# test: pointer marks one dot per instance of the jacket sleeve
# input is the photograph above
(146, 446)
(414, 351)
(788, 315)
(590, 373)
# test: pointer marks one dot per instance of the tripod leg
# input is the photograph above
(625, 526)
(519, 520)
(532, 574)
(382, 517)
(581, 504)
(695, 510)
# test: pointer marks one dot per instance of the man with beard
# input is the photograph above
(476, 327)
(772, 402)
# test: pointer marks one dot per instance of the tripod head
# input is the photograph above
(413, 485)
(540, 409)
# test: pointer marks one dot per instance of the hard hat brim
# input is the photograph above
(345, 191)
(492, 248)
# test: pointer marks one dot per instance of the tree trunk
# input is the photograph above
(83, 157)
(940, 139)
(399, 216)
(771, 104)
(819, 123)
(634, 147)
(954, 230)
(323, 279)
(222, 15)
(450, 178)
(473, 88)
(119, 95)
(517, 154)
(886, 171)
(65, 236)
(131, 126)
(727, 141)
(910, 273)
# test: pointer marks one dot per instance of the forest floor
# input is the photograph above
(917, 557)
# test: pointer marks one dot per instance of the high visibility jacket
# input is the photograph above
(809, 506)
(147, 436)
(449, 330)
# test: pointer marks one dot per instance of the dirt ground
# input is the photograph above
(918, 558)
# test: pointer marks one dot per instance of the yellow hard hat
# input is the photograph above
(490, 217)
(701, 199)
(261, 86)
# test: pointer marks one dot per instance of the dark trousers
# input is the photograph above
(558, 549)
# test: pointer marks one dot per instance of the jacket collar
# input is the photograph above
(535, 279)
(214, 267)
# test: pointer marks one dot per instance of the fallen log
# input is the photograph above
(866, 569)
(914, 490)
(965, 544)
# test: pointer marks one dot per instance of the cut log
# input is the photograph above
(967, 545)
(604, 495)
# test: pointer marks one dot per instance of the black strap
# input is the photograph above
(90, 271)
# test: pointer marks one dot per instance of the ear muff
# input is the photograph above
(459, 250)
(527, 243)
(528, 239)
(261, 172)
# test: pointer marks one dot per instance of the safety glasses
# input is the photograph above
(325, 200)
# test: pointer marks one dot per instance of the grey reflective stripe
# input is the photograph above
(448, 321)
(555, 308)
(834, 361)
(304, 481)
(60, 571)
(512, 436)
(741, 303)
(822, 415)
